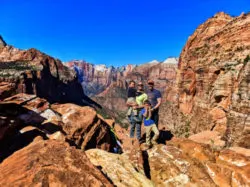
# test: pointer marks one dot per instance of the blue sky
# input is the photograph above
(112, 32)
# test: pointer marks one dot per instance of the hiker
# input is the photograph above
(133, 112)
(141, 96)
(154, 97)
(149, 124)
(131, 96)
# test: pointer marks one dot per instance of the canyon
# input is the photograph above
(108, 85)
(54, 130)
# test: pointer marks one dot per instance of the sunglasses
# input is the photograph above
(150, 84)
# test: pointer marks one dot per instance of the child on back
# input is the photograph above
(131, 101)
(149, 124)
(136, 101)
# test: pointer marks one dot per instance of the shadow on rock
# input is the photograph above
(13, 118)
(19, 141)
(53, 89)
(146, 165)
(164, 136)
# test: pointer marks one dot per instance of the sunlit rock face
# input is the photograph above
(50, 163)
(181, 162)
(35, 116)
(213, 78)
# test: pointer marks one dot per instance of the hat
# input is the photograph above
(151, 82)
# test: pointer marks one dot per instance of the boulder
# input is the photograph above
(50, 163)
(82, 125)
(25, 117)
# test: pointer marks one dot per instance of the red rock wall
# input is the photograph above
(213, 78)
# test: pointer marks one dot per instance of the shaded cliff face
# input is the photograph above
(2, 42)
(213, 79)
(33, 72)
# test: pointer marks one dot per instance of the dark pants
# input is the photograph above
(155, 116)
(134, 125)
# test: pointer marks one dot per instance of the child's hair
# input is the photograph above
(146, 102)
(132, 81)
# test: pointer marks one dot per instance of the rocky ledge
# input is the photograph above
(69, 145)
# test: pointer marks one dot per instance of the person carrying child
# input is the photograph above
(149, 124)
(135, 104)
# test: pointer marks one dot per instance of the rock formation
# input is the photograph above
(181, 162)
(213, 79)
(50, 163)
(33, 72)
(26, 117)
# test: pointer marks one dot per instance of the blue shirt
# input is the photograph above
(153, 96)
(147, 121)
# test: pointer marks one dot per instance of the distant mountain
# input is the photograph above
(96, 78)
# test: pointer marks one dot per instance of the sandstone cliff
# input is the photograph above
(213, 78)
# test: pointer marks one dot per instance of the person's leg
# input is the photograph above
(155, 116)
(132, 130)
(132, 126)
(156, 134)
(138, 130)
(148, 133)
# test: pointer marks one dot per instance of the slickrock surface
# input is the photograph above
(50, 163)
(181, 162)
(118, 168)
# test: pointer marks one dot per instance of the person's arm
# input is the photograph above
(145, 114)
(149, 113)
(159, 101)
